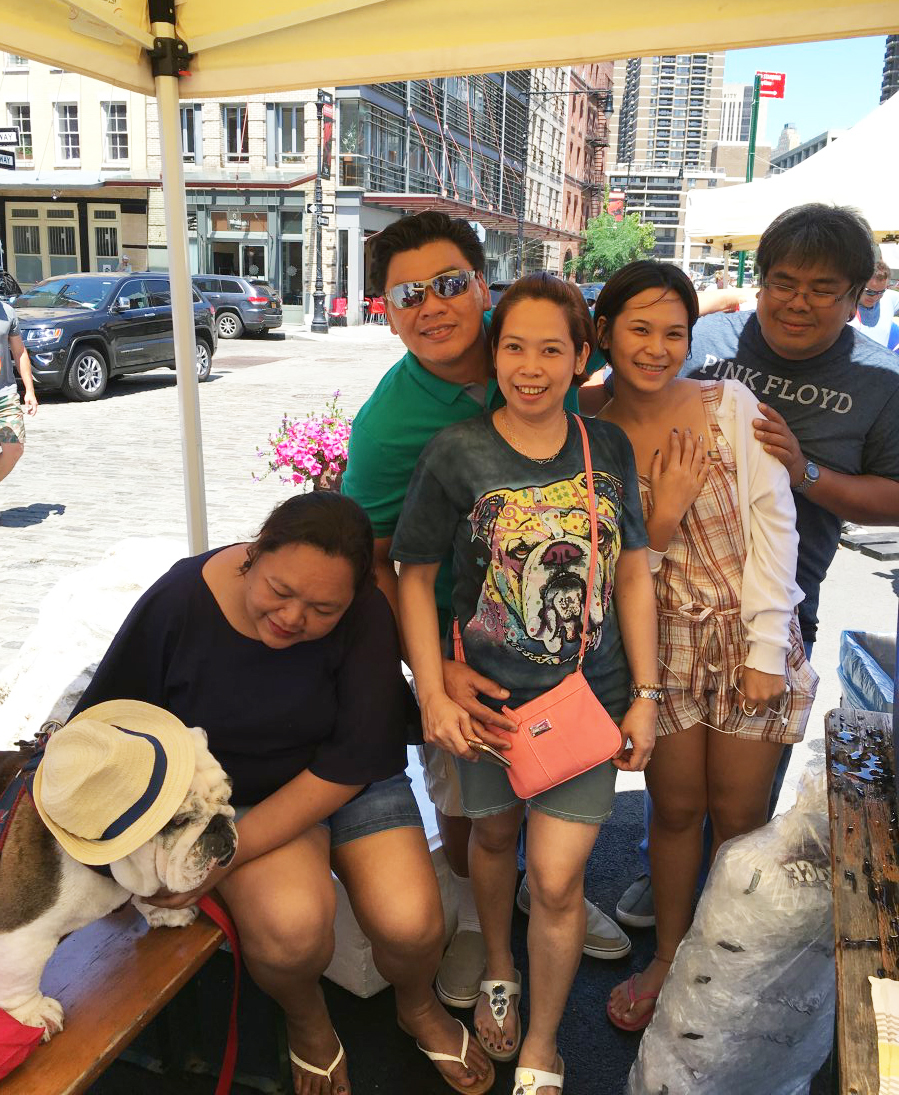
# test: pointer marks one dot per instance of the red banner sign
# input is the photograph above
(772, 84)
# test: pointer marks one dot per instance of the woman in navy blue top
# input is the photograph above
(285, 652)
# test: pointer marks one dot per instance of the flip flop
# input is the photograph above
(326, 1072)
(433, 1055)
(644, 1020)
(503, 997)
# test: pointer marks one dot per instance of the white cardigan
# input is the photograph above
(768, 514)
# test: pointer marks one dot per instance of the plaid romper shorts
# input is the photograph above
(702, 642)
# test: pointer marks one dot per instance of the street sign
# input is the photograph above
(772, 84)
(320, 219)
(311, 207)
(9, 135)
(7, 161)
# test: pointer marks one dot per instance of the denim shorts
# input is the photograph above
(388, 804)
(587, 798)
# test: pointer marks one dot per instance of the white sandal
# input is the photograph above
(326, 1072)
(500, 997)
(529, 1080)
(433, 1055)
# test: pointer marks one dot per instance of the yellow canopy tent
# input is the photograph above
(239, 48)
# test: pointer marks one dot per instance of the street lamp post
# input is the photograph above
(319, 319)
(604, 93)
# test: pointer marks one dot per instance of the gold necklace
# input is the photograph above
(518, 445)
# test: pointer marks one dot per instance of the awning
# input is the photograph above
(483, 214)
(242, 48)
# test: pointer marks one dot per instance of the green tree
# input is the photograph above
(610, 244)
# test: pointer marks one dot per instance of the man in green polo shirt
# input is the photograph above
(431, 269)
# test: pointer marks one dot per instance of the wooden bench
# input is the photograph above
(111, 978)
(863, 831)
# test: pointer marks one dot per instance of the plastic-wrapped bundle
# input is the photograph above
(748, 1004)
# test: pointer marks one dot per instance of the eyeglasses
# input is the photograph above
(411, 294)
(873, 292)
(814, 299)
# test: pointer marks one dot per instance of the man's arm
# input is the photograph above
(864, 499)
(23, 364)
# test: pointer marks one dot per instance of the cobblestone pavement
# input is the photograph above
(95, 473)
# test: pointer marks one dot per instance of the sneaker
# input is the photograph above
(604, 939)
(635, 907)
(461, 971)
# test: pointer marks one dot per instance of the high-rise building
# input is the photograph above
(736, 113)
(662, 136)
(890, 68)
(788, 140)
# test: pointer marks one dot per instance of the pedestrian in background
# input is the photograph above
(13, 356)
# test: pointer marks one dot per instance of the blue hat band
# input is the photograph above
(154, 786)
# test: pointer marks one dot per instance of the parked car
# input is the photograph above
(241, 304)
(9, 287)
(496, 290)
(590, 291)
(83, 330)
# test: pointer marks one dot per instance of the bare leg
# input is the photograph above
(557, 855)
(740, 775)
(283, 906)
(9, 456)
(494, 871)
(394, 893)
(676, 778)
(455, 833)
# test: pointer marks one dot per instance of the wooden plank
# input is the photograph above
(111, 978)
(863, 829)
(886, 549)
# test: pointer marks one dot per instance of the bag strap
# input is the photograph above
(594, 546)
(218, 915)
(458, 651)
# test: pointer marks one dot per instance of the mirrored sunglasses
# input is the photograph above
(873, 292)
(411, 294)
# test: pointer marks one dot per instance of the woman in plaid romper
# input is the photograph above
(736, 685)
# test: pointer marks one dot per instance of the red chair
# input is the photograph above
(377, 311)
(337, 314)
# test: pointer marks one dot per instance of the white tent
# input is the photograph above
(858, 169)
(231, 47)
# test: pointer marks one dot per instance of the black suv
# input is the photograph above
(83, 330)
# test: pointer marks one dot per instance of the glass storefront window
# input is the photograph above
(292, 272)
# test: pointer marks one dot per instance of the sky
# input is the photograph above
(830, 85)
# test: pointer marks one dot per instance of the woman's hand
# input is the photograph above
(164, 899)
(463, 685)
(639, 727)
(447, 725)
(677, 479)
(760, 691)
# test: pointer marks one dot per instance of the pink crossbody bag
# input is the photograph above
(566, 730)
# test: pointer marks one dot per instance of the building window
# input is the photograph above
(68, 143)
(234, 120)
(290, 131)
(20, 116)
(14, 61)
(115, 131)
(104, 238)
(44, 240)
(188, 134)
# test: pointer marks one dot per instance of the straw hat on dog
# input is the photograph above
(112, 777)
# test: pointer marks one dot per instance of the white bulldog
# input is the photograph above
(45, 893)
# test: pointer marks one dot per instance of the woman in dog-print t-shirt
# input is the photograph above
(285, 652)
(508, 493)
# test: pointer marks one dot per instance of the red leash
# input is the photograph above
(218, 915)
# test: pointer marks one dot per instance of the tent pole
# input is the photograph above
(167, 98)
(750, 158)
